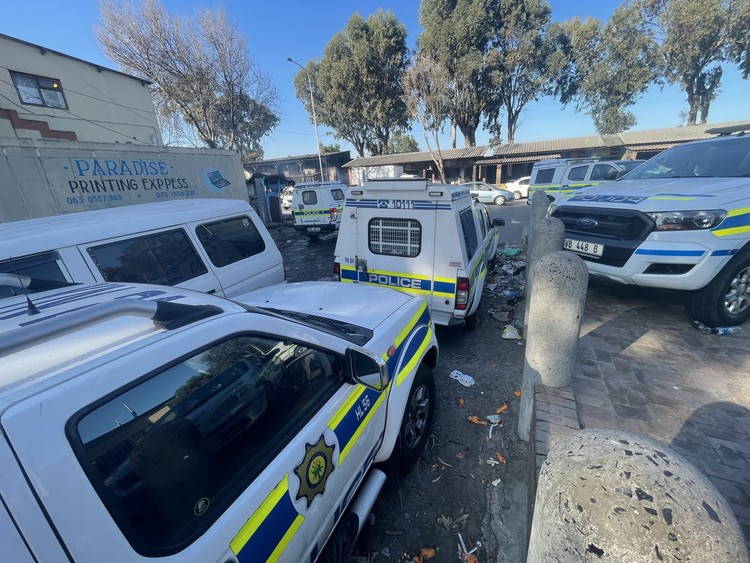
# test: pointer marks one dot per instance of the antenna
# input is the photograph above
(23, 281)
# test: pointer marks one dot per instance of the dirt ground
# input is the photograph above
(467, 486)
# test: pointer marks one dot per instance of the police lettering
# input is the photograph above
(395, 281)
(608, 198)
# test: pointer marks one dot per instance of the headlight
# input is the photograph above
(551, 209)
(687, 220)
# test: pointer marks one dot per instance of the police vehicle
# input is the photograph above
(150, 423)
(431, 240)
(679, 221)
(317, 207)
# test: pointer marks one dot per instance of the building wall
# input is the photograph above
(102, 105)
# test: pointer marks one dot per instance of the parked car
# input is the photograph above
(487, 193)
(317, 207)
(519, 187)
(286, 197)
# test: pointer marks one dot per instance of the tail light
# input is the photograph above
(334, 214)
(337, 270)
(462, 293)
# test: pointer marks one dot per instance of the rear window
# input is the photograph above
(166, 258)
(394, 237)
(309, 197)
(43, 267)
(338, 194)
(230, 240)
(545, 175)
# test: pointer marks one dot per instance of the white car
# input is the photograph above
(487, 193)
(286, 197)
(519, 187)
(182, 426)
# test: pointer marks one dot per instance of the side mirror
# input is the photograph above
(498, 222)
(366, 369)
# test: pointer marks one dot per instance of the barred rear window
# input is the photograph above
(395, 237)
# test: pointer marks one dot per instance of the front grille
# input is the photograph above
(620, 231)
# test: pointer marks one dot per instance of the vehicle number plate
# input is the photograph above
(313, 229)
(582, 247)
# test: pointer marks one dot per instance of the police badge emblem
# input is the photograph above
(313, 472)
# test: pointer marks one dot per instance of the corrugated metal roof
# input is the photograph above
(674, 134)
(423, 156)
(655, 147)
(515, 159)
(552, 145)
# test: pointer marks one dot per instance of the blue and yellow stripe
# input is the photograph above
(736, 222)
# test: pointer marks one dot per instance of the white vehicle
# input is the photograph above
(148, 423)
(212, 245)
(520, 187)
(425, 239)
(566, 176)
(286, 197)
(679, 221)
(317, 207)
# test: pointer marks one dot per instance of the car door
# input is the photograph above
(247, 449)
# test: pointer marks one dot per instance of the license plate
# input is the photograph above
(313, 229)
(582, 247)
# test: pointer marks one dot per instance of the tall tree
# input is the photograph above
(357, 83)
(402, 142)
(524, 58)
(426, 93)
(456, 35)
(199, 68)
(697, 37)
(609, 67)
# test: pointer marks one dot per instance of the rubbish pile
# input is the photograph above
(506, 285)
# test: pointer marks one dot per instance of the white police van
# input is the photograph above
(317, 207)
(212, 245)
(149, 423)
(679, 221)
(425, 239)
(567, 176)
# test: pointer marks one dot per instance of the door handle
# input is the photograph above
(211, 291)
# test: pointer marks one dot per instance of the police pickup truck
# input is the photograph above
(679, 221)
(149, 423)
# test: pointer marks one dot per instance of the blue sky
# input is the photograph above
(300, 29)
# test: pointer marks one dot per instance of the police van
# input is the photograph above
(213, 245)
(431, 240)
(679, 221)
(565, 176)
(317, 207)
(151, 423)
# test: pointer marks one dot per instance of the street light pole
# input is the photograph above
(315, 121)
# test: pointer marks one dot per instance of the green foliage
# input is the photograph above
(402, 142)
(328, 149)
(357, 84)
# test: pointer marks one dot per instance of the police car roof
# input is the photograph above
(411, 187)
(81, 227)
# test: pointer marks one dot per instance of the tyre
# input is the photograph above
(473, 321)
(517, 195)
(725, 301)
(417, 422)
(500, 200)
(313, 236)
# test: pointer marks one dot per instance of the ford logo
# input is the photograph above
(587, 223)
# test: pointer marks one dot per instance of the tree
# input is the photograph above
(327, 149)
(426, 94)
(696, 37)
(524, 58)
(609, 67)
(357, 83)
(199, 68)
(402, 142)
(456, 36)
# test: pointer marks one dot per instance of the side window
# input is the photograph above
(469, 232)
(545, 175)
(338, 194)
(577, 174)
(166, 258)
(168, 455)
(394, 237)
(487, 223)
(309, 197)
(483, 222)
(603, 172)
(230, 240)
(524, 182)
(43, 266)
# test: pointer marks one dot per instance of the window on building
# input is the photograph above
(39, 91)
(395, 237)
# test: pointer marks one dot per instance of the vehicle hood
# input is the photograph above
(655, 195)
(359, 304)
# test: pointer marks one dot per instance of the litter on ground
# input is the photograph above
(462, 378)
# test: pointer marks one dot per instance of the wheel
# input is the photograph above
(517, 195)
(725, 301)
(417, 422)
(313, 236)
(500, 200)
(473, 321)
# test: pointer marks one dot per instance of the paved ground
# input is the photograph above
(643, 367)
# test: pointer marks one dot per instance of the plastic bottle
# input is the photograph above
(727, 330)
(703, 328)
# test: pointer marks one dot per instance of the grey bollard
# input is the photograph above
(539, 206)
(550, 236)
(610, 495)
(554, 325)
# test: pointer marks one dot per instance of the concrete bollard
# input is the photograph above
(539, 206)
(550, 235)
(554, 325)
(610, 495)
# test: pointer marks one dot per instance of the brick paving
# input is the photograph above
(642, 367)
